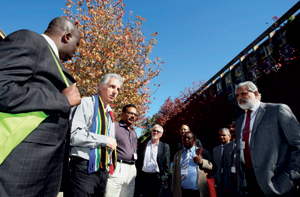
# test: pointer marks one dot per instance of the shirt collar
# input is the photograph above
(108, 108)
(254, 108)
(123, 124)
(191, 149)
(52, 44)
(150, 143)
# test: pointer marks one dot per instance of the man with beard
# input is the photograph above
(268, 143)
(93, 140)
(153, 165)
(122, 182)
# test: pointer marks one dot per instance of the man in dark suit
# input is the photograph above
(268, 144)
(30, 81)
(153, 165)
(224, 137)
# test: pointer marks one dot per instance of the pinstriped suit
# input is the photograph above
(30, 81)
(274, 148)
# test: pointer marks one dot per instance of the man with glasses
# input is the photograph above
(122, 182)
(153, 165)
(177, 146)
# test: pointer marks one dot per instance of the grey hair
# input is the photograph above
(251, 87)
(105, 79)
(157, 125)
(226, 130)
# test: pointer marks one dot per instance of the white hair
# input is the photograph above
(105, 79)
(157, 125)
(251, 87)
(226, 130)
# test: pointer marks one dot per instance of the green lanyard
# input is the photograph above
(59, 68)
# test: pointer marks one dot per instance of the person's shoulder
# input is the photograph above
(215, 148)
(164, 144)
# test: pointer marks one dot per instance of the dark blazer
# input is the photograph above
(218, 162)
(230, 178)
(163, 160)
(30, 81)
(274, 148)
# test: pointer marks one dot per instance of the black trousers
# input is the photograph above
(252, 185)
(148, 183)
(83, 184)
(190, 193)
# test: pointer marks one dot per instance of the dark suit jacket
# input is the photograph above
(163, 160)
(274, 148)
(30, 81)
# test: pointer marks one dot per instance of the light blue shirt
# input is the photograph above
(191, 179)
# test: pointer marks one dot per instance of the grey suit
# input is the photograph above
(30, 81)
(274, 148)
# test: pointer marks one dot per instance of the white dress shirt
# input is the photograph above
(253, 116)
(150, 160)
(52, 44)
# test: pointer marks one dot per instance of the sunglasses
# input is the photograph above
(156, 131)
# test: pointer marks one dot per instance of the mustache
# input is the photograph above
(243, 100)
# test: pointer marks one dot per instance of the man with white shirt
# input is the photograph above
(224, 137)
(30, 80)
(153, 165)
(93, 142)
(268, 144)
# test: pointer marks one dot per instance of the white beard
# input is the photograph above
(154, 137)
(251, 102)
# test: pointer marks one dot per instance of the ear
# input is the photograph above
(66, 37)
(256, 94)
(100, 86)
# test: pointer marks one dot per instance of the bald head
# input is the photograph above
(65, 36)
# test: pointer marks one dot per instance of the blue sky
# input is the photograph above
(196, 38)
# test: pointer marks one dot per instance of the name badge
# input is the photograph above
(233, 169)
(242, 145)
(184, 171)
(135, 156)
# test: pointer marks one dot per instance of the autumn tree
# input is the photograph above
(109, 45)
(147, 126)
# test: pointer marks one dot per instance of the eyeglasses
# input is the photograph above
(184, 130)
(156, 131)
(131, 113)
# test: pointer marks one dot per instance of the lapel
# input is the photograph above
(144, 151)
(219, 153)
(68, 76)
(260, 113)
(159, 153)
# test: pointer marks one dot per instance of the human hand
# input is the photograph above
(111, 143)
(72, 94)
(198, 160)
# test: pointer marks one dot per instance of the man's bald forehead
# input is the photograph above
(62, 23)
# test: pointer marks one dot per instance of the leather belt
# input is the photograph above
(127, 162)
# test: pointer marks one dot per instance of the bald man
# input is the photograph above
(177, 146)
(31, 81)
